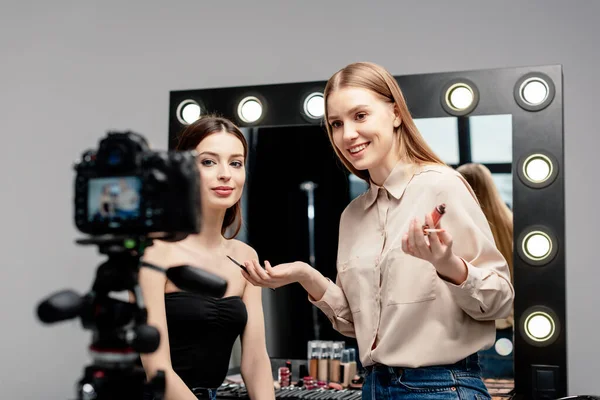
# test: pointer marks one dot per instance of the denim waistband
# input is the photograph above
(468, 363)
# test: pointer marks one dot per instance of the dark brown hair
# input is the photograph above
(377, 79)
(195, 133)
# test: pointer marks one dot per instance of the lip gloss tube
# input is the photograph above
(436, 215)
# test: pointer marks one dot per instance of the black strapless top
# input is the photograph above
(202, 331)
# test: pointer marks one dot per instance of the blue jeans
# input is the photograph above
(459, 381)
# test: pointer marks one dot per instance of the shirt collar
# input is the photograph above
(395, 183)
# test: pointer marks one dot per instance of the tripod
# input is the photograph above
(119, 329)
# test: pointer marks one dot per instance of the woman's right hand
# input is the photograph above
(274, 277)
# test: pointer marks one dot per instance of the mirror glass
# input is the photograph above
(285, 222)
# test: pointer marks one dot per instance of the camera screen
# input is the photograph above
(114, 200)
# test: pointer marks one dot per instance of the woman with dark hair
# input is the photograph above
(198, 331)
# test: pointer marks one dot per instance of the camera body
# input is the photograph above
(126, 188)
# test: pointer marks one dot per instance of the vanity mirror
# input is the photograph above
(510, 120)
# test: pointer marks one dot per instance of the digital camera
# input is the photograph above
(125, 188)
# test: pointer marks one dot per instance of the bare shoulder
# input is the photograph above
(158, 252)
(243, 250)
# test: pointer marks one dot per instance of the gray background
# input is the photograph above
(70, 70)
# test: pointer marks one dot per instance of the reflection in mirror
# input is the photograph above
(282, 158)
(480, 147)
(277, 226)
(485, 161)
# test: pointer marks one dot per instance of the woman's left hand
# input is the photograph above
(435, 247)
(271, 277)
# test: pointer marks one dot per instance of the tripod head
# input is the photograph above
(119, 329)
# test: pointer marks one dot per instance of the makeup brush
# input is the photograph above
(242, 267)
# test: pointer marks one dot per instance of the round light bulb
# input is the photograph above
(538, 168)
(314, 105)
(534, 91)
(537, 245)
(539, 326)
(250, 109)
(503, 346)
(461, 97)
(188, 112)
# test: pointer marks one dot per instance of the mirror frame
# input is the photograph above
(540, 368)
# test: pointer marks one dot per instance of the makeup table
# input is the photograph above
(499, 389)
(238, 392)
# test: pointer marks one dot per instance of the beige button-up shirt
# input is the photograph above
(396, 305)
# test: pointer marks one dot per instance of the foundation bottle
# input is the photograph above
(334, 362)
(352, 364)
(313, 358)
(345, 364)
(324, 357)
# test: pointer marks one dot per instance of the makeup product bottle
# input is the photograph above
(345, 366)
(334, 362)
(288, 364)
(313, 357)
(284, 376)
(323, 370)
(302, 371)
(436, 215)
(309, 382)
(351, 364)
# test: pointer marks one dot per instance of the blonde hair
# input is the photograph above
(499, 216)
(375, 78)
